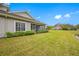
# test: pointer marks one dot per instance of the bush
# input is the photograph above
(66, 26)
(19, 33)
(9, 34)
(50, 27)
(23, 33)
(29, 33)
(42, 31)
(76, 34)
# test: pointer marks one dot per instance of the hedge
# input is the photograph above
(23, 33)
(19, 33)
(42, 31)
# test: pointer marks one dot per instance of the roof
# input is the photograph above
(23, 12)
(3, 5)
(18, 17)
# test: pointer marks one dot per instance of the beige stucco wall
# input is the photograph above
(9, 25)
(42, 27)
(3, 8)
(27, 25)
(2, 27)
(6, 25)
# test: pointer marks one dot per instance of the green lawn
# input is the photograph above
(53, 43)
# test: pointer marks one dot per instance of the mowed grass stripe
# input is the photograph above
(55, 42)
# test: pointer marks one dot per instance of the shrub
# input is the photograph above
(9, 34)
(76, 34)
(42, 31)
(19, 33)
(29, 33)
(50, 27)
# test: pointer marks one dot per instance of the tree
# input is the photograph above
(50, 27)
(77, 26)
(67, 27)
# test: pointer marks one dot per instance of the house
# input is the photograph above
(17, 21)
(58, 27)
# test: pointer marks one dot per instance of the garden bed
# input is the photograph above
(77, 36)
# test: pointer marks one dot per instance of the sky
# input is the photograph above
(50, 13)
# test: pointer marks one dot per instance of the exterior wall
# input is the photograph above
(42, 27)
(27, 25)
(2, 26)
(6, 25)
(9, 25)
(3, 8)
(58, 27)
(37, 27)
(45, 26)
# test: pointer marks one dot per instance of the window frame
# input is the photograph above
(20, 26)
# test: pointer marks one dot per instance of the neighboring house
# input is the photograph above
(17, 21)
(58, 27)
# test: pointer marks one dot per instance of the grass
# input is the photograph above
(53, 43)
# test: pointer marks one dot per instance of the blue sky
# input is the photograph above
(50, 13)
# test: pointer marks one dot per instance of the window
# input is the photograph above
(33, 27)
(1, 11)
(20, 26)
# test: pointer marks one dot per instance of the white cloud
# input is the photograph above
(58, 16)
(71, 13)
(67, 15)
